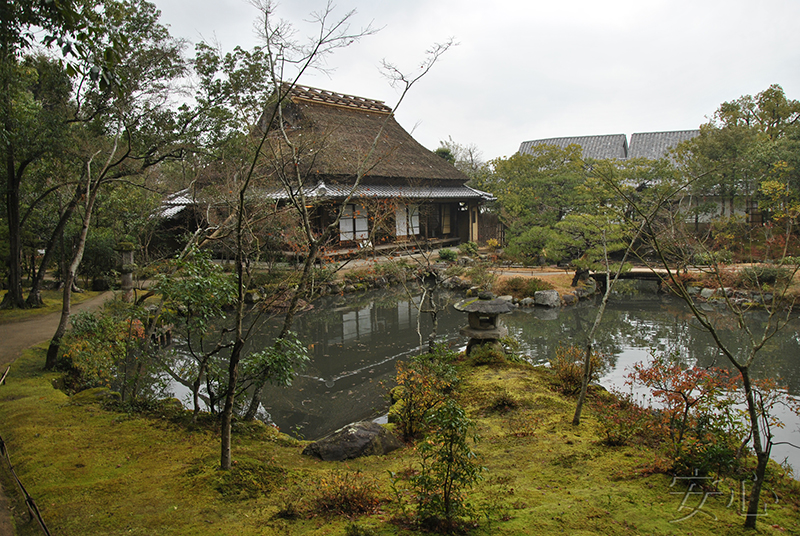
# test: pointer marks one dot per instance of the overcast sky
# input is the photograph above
(532, 69)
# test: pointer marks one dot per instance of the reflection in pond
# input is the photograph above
(355, 343)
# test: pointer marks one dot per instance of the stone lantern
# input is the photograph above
(484, 325)
(127, 269)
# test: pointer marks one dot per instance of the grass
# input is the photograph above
(52, 304)
(95, 471)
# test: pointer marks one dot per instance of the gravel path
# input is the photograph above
(16, 337)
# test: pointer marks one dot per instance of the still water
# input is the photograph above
(357, 339)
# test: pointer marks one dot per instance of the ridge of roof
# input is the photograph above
(323, 96)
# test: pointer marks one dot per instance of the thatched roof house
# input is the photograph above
(344, 137)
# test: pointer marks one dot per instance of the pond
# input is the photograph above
(357, 339)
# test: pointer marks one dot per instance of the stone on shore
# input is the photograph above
(357, 439)
(548, 298)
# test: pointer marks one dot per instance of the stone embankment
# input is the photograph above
(737, 297)
(542, 298)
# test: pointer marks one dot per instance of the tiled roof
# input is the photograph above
(174, 204)
(604, 146)
(651, 145)
(313, 94)
(379, 191)
(655, 145)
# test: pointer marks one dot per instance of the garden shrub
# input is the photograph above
(567, 367)
(422, 384)
(95, 347)
(448, 470)
(399, 269)
(346, 493)
(710, 258)
(480, 276)
(486, 354)
(468, 248)
(523, 287)
(360, 274)
(454, 270)
(696, 410)
(447, 255)
(503, 402)
(758, 276)
(621, 417)
(271, 278)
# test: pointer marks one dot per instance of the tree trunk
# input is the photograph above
(196, 391)
(762, 452)
(311, 258)
(35, 294)
(587, 358)
(13, 298)
(55, 342)
(227, 412)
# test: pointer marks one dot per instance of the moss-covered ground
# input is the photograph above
(97, 471)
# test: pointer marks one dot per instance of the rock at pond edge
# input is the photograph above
(357, 439)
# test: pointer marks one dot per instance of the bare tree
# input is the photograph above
(667, 236)
(294, 178)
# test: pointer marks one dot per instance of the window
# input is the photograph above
(407, 220)
(445, 219)
(356, 324)
(354, 224)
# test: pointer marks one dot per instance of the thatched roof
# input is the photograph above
(339, 130)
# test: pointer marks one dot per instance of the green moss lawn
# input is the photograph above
(96, 471)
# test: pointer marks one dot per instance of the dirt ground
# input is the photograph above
(16, 337)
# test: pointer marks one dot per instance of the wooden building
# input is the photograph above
(353, 150)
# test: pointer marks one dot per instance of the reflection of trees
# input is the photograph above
(662, 324)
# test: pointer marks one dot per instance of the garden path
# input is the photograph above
(16, 337)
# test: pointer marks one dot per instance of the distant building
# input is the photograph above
(700, 208)
(651, 145)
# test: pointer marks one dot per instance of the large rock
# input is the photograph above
(353, 441)
(707, 293)
(569, 299)
(586, 288)
(548, 298)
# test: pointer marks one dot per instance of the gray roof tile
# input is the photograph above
(651, 145)
(603, 146)
(655, 145)
(422, 192)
